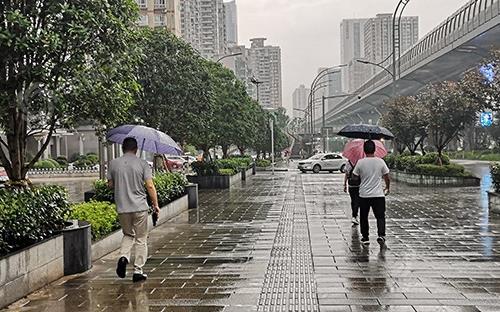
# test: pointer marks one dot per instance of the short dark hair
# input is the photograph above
(369, 147)
(129, 145)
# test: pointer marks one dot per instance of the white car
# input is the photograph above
(323, 162)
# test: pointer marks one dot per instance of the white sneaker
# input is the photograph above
(355, 221)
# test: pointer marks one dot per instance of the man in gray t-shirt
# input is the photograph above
(131, 178)
(372, 170)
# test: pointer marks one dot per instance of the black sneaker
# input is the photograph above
(121, 267)
(138, 277)
(365, 241)
(381, 240)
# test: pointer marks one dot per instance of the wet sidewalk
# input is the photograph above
(287, 244)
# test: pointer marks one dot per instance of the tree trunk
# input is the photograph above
(242, 150)
(225, 149)
(440, 156)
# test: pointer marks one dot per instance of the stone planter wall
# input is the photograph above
(425, 180)
(27, 270)
(220, 182)
(112, 242)
(494, 202)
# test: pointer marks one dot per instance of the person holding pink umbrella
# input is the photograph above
(354, 151)
(371, 170)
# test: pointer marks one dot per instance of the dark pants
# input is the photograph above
(378, 206)
(354, 193)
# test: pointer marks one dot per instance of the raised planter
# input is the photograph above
(29, 269)
(112, 242)
(494, 202)
(220, 182)
(426, 180)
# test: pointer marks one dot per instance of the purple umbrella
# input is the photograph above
(149, 139)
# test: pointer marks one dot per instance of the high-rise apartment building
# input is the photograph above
(203, 26)
(352, 47)
(190, 22)
(265, 63)
(240, 65)
(378, 38)
(299, 98)
(161, 13)
(231, 23)
(371, 39)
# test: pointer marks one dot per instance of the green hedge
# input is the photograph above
(47, 164)
(88, 160)
(227, 172)
(31, 215)
(451, 170)
(169, 187)
(205, 168)
(101, 215)
(212, 168)
(405, 162)
(426, 165)
(263, 163)
(103, 192)
(487, 155)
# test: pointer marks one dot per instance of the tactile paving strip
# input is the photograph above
(289, 283)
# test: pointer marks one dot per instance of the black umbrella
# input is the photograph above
(367, 132)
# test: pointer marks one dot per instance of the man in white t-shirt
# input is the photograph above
(371, 170)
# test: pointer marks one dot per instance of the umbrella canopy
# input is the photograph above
(148, 139)
(368, 132)
(354, 150)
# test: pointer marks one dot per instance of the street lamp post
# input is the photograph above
(271, 121)
(229, 55)
(314, 84)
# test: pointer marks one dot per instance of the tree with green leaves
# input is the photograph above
(482, 83)
(449, 111)
(62, 62)
(408, 121)
(176, 97)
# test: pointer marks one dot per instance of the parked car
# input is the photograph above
(175, 163)
(323, 162)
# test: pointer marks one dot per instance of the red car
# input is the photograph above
(174, 165)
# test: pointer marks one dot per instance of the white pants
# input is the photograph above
(135, 234)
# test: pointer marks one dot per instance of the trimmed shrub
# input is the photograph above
(205, 168)
(432, 158)
(101, 215)
(31, 215)
(62, 161)
(227, 172)
(263, 163)
(169, 187)
(451, 170)
(103, 192)
(46, 164)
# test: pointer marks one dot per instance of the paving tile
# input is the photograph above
(286, 243)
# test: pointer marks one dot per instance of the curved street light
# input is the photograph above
(229, 55)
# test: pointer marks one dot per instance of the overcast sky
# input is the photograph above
(308, 31)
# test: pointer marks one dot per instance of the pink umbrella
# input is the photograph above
(354, 150)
